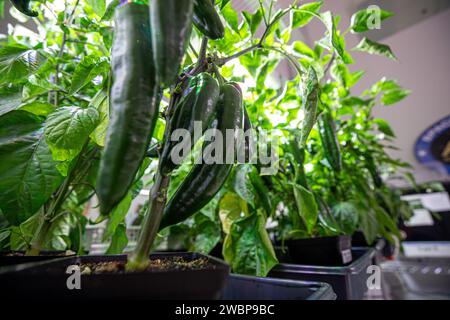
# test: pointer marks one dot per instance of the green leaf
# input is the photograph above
(372, 47)
(341, 74)
(248, 248)
(119, 240)
(355, 101)
(303, 49)
(69, 127)
(37, 86)
(242, 185)
(223, 3)
(101, 103)
(384, 127)
(394, 96)
(66, 131)
(261, 191)
(264, 71)
(28, 174)
(118, 215)
(388, 223)
(368, 224)
(307, 206)
(17, 62)
(10, 99)
(207, 235)
(109, 12)
(58, 236)
(363, 19)
(231, 17)
(335, 41)
(99, 6)
(253, 20)
(88, 68)
(347, 216)
(231, 208)
(38, 108)
(22, 234)
(391, 90)
(303, 15)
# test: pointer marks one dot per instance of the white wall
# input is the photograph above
(423, 50)
(424, 68)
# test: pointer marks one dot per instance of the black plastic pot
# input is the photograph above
(380, 245)
(6, 259)
(323, 251)
(48, 280)
(349, 282)
(240, 287)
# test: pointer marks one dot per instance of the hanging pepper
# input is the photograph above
(310, 99)
(134, 106)
(330, 142)
(205, 180)
(171, 25)
(207, 20)
(24, 6)
(198, 103)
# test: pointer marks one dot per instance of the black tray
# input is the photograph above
(7, 260)
(240, 287)
(323, 251)
(47, 280)
(349, 282)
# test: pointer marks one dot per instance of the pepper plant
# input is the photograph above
(53, 116)
(332, 151)
(82, 99)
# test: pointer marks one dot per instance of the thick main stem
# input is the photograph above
(140, 257)
(39, 237)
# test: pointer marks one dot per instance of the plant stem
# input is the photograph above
(333, 56)
(139, 259)
(61, 52)
(202, 53)
(193, 50)
(39, 237)
(55, 205)
(218, 75)
(294, 62)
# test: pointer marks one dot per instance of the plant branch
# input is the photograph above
(221, 61)
(193, 50)
(202, 53)
(333, 56)
(294, 62)
(68, 22)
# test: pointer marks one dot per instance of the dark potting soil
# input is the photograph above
(173, 263)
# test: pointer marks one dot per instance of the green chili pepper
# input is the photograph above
(310, 98)
(134, 106)
(330, 142)
(207, 20)
(205, 180)
(171, 25)
(198, 103)
(24, 7)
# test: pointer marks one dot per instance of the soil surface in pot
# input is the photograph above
(43, 254)
(166, 264)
